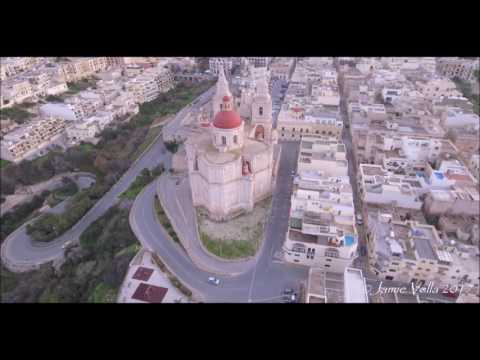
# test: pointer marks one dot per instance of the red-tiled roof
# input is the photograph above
(149, 293)
(142, 274)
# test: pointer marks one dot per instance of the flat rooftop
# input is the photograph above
(372, 170)
(327, 284)
(355, 289)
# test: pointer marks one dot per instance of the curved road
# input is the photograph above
(262, 283)
(19, 253)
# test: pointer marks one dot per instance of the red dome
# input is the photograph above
(227, 120)
(226, 98)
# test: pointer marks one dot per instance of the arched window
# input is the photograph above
(195, 164)
(235, 139)
(224, 140)
(260, 110)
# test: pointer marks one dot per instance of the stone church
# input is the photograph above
(231, 162)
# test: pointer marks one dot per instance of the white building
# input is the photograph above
(325, 287)
(217, 63)
(65, 111)
(83, 130)
(408, 251)
(325, 155)
(321, 229)
(456, 118)
(259, 61)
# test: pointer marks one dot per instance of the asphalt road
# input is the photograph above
(20, 253)
(277, 97)
(262, 283)
(175, 196)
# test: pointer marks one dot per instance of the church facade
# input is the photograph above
(231, 162)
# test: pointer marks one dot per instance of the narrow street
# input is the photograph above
(361, 261)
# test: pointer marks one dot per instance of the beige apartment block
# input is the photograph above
(26, 140)
(294, 123)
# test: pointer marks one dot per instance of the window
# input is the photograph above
(328, 260)
(293, 129)
(317, 132)
(306, 130)
(327, 265)
(332, 253)
(388, 277)
(301, 130)
(224, 140)
(235, 139)
(260, 110)
(283, 127)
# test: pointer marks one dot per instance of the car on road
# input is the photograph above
(288, 291)
(359, 219)
(64, 246)
(214, 281)
(290, 299)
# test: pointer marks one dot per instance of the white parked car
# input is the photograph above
(214, 281)
(64, 246)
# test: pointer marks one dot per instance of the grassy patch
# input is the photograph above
(8, 281)
(165, 222)
(103, 293)
(237, 238)
(54, 99)
(81, 85)
(68, 188)
(151, 135)
(4, 163)
(16, 113)
(50, 226)
(172, 146)
(131, 250)
(137, 186)
(20, 214)
(466, 89)
(229, 249)
(86, 147)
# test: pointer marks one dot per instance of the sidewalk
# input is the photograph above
(143, 270)
(177, 202)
